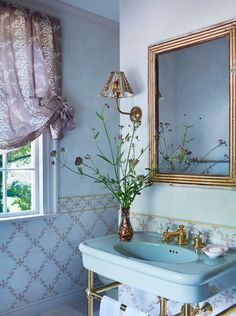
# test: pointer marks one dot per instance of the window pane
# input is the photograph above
(1, 200)
(19, 184)
(19, 158)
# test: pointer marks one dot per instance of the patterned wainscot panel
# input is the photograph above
(40, 258)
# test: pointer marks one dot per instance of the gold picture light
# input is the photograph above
(116, 87)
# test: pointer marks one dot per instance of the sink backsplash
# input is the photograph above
(210, 233)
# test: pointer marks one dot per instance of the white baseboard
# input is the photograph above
(76, 299)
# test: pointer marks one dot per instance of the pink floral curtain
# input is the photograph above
(30, 77)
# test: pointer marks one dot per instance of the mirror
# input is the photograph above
(192, 107)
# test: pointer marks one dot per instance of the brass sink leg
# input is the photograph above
(187, 310)
(89, 297)
(163, 306)
(94, 293)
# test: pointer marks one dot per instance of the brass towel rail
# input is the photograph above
(99, 298)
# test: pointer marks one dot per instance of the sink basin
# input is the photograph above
(178, 273)
(156, 252)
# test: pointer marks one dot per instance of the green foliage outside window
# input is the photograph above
(22, 194)
(18, 190)
(20, 157)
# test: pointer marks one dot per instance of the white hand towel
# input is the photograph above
(130, 311)
(109, 307)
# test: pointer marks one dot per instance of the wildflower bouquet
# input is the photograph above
(122, 157)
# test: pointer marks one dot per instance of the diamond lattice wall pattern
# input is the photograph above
(40, 258)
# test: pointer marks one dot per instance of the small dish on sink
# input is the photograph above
(214, 251)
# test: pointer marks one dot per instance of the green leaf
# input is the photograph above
(100, 116)
(96, 135)
(105, 158)
(80, 170)
(118, 159)
(97, 181)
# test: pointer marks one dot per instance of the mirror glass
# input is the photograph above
(193, 118)
(191, 96)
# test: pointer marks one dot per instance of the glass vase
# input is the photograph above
(125, 228)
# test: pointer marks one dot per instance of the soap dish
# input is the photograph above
(214, 251)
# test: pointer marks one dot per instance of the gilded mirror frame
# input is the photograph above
(218, 31)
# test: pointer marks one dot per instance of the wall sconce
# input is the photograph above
(117, 86)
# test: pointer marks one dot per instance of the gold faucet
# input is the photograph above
(180, 234)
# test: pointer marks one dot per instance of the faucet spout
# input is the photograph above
(180, 234)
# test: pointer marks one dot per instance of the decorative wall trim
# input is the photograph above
(173, 219)
(86, 203)
(210, 233)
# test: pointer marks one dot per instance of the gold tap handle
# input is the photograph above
(197, 241)
(166, 231)
(164, 236)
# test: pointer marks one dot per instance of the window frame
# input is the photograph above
(45, 185)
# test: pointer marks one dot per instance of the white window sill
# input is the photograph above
(26, 217)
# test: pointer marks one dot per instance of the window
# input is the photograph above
(31, 100)
(18, 180)
(28, 181)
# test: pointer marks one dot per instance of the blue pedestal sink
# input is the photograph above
(179, 273)
(156, 252)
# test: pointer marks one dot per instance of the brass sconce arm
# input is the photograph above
(135, 114)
